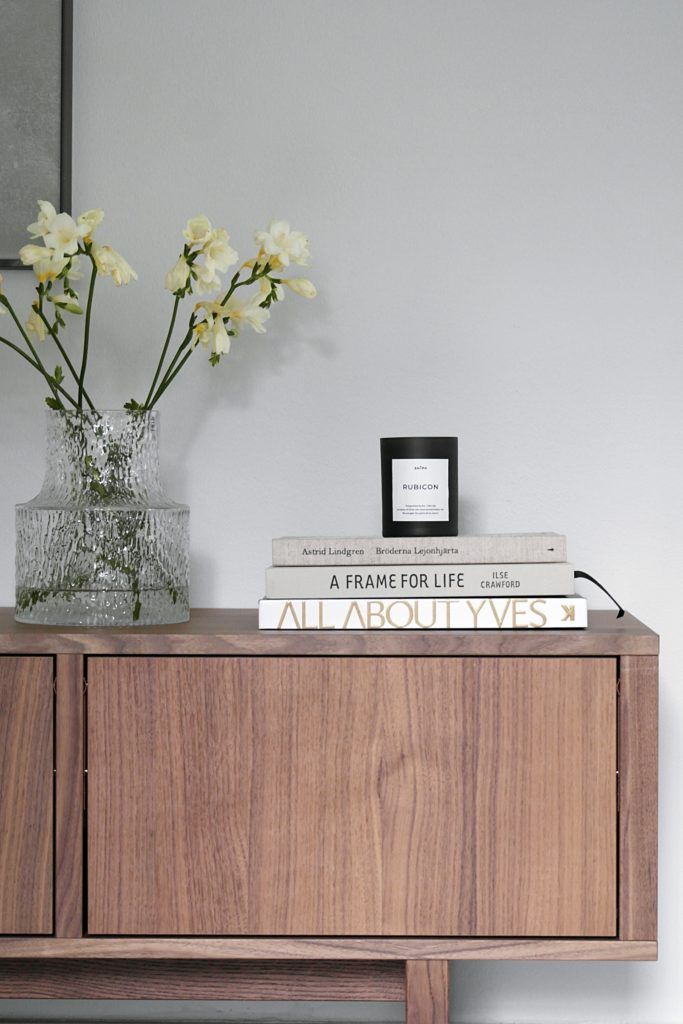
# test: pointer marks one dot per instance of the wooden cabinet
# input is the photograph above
(26, 795)
(301, 815)
(352, 796)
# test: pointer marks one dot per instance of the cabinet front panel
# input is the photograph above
(352, 796)
(26, 772)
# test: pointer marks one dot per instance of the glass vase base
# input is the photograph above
(101, 544)
(103, 608)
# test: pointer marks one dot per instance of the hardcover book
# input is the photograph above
(426, 613)
(520, 580)
(479, 548)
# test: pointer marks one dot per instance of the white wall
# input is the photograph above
(493, 192)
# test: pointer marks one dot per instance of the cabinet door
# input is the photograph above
(352, 796)
(26, 772)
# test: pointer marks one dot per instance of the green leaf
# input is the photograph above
(58, 375)
(133, 406)
(53, 403)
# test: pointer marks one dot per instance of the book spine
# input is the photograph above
(425, 613)
(493, 548)
(503, 578)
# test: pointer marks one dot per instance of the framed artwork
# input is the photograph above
(36, 56)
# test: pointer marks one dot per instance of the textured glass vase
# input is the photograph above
(101, 545)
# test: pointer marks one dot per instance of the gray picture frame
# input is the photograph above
(51, 177)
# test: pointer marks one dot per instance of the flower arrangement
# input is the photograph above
(101, 544)
(213, 322)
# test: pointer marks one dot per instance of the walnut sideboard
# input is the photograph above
(210, 811)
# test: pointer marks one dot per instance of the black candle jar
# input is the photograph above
(419, 486)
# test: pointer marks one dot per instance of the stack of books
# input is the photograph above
(489, 581)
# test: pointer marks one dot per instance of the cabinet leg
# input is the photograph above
(426, 991)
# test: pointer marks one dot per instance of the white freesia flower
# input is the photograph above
(198, 230)
(247, 311)
(90, 220)
(30, 254)
(218, 338)
(207, 278)
(176, 279)
(35, 325)
(50, 268)
(64, 234)
(67, 302)
(46, 263)
(111, 263)
(266, 287)
(283, 245)
(218, 254)
(46, 214)
(302, 286)
(74, 271)
(212, 331)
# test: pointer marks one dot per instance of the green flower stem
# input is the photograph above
(163, 351)
(86, 332)
(178, 361)
(255, 275)
(233, 284)
(51, 383)
(169, 379)
(170, 369)
(36, 366)
(176, 356)
(55, 337)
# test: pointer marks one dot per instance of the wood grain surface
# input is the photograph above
(203, 979)
(235, 631)
(26, 774)
(69, 764)
(638, 747)
(427, 992)
(333, 796)
(325, 949)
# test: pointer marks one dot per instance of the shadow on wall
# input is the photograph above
(485, 991)
(291, 339)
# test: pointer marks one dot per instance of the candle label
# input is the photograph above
(420, 490)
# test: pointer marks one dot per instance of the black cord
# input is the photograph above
(580, 575)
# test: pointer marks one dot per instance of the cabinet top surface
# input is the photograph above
(235, 631)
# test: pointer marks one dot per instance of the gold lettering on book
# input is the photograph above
(569, 612)
(375, 611)
(425, 625)
(539, 612)
(288, 609)
(475, 611)
(518, 612)
(321, 616)
(500, 619)
(354, 610)
(447, 602)
(390, 611)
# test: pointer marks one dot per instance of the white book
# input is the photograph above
(494, 579)
(475, 549)
(426, 613)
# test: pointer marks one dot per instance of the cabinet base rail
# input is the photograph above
(196, 979)
(421, 984)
